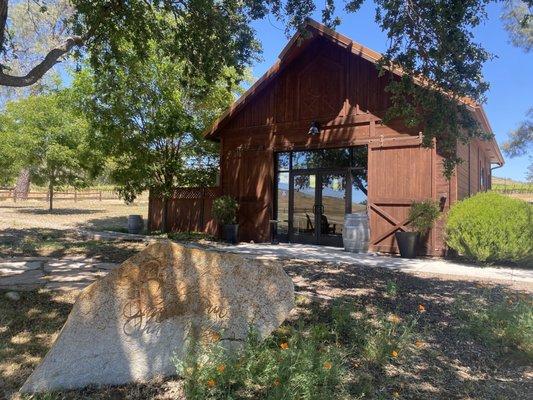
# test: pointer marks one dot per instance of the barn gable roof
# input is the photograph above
(295, 47)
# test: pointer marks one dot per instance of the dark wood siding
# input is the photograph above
(345, 94)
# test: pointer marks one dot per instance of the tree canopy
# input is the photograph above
(49, 136)
(149, 121)
(432, 41)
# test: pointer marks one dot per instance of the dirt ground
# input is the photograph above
(457, 349)
(451, 360)
(86, 214)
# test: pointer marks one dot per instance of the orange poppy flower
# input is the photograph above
(419, 343)
(394, 353)
(421, 308)
(328, 365)
(284, 346)
(276, 382)
(211, 383)
(221, 368)
(394, 319)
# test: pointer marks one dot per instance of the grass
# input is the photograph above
(339, 349)
(506, 325)
(312, 358)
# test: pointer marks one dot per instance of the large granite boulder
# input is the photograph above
(128, 325)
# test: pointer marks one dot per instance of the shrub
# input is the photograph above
(490, 227)
(423, 214)
(225, 210)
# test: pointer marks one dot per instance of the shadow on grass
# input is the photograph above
(27, 330)
(55, 243)
(58, 211)
(451, 362)
(117, 224)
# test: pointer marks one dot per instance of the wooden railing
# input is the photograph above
(74, 195)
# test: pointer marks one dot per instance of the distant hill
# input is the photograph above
(496, 180)
(513, 188)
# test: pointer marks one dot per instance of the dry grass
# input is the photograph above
(87, 214)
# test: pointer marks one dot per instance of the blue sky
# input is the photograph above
(510, 74)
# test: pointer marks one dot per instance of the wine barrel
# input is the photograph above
(355, 234)
(135, 224)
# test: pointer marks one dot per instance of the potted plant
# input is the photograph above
(225, 213)
(422, 215)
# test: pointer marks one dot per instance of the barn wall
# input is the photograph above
(475, 162)
(344, 93)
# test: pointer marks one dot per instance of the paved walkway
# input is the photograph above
(74, 273)
(432, 267)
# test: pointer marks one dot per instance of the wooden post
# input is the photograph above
(100, 195)
(202, 222)
(75, 195)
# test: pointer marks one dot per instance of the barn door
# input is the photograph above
(398, 174)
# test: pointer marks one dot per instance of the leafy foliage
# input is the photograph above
(225, 210)
(423, 214)
(149, 120)
(489, 227)
(303, 361)
(518, 21)
(47, 135)
(521, 140)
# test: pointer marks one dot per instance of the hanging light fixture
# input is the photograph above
(314, 129)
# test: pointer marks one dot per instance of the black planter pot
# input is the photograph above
(230, 233)
(407, 242)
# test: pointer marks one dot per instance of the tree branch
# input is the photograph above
(3, 22)
(40, 69)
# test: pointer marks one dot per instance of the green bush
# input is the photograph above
(423, 214)
(489, 227)
(225, 210)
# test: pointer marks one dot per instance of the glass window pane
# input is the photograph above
(282, 210)
(359, 190)
(333, 204)
(283, 161)
(324, 158)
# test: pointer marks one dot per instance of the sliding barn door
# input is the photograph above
(399, 172)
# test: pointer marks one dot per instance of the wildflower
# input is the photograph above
(421, 308)
(395, 395)
(221, 368)
(328, 365)
(276, 382)
(419, 343)
(284, 346)
(394, 319)
(394, 354)
(211, 383)
(215, 337)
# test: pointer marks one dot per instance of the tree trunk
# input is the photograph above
(23, 184)
(51, 196)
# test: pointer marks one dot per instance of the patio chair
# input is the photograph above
(326, 227)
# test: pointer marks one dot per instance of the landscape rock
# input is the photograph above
(13, 296)
(128, 325)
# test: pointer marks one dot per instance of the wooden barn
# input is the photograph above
(306, 144)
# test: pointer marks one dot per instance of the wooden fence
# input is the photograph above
(75, 195)
(189, 210)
